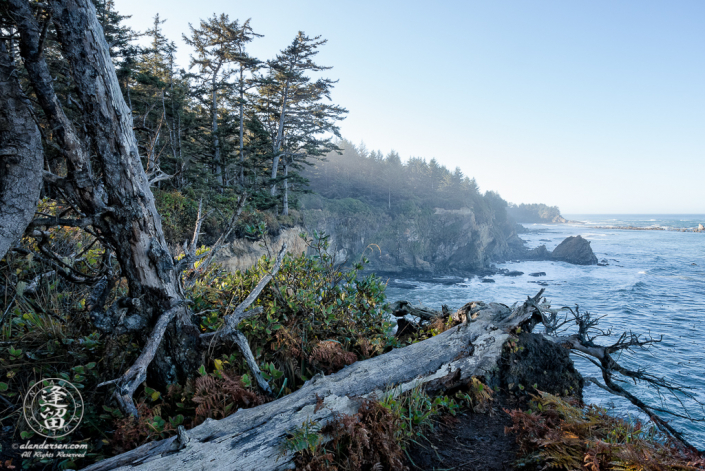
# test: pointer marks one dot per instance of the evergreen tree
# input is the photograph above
(218, 44)
(293, 110)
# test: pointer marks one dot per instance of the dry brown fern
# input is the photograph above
(131, 432)
(330, 356)
(363, 441)
(219, 397)
(562, 435)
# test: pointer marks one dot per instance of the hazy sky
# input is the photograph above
(594, 106)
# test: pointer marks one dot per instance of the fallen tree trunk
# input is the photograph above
(403, 308)
(253, 438)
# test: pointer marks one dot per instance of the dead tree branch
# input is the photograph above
(224, 236)
(583, 344)
(137, 374)
(230, 328)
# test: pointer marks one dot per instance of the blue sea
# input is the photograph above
(654, 284)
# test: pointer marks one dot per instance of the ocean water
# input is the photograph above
(654, 283)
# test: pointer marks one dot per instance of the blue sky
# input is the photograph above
(597, 107)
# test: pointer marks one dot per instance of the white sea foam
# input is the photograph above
(629, 291)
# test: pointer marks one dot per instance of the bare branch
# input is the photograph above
(224, 236)
(34, 284)
(583, 344)
(159, 176)
(234, 319)
(137, 374)
(230, 328)
(56, 221)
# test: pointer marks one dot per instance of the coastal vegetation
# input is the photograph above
(118, 168)
(535, 213)
(420, 216)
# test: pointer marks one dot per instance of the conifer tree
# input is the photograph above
(294, 111)
(246, 80)
(218, 44)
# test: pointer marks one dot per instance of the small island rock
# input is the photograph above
(575, 250)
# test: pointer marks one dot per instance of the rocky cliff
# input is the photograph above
(439, 241)
(244, 253)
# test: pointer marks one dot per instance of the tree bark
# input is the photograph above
(21, 156)
(251, 439)
(242, 127)
(280, 137)
(119, 199)
(285, 201)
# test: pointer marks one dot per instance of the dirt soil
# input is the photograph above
(468, 442)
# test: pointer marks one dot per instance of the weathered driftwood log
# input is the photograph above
(253, 438)
(403, 308)
(470, 310)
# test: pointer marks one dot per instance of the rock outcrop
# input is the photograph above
(539, 363)
(446, 242)
(575, 250)
(241, 254)
(441, 242)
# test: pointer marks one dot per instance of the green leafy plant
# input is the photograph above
(416, 411)
(316, 316)
(307, 437)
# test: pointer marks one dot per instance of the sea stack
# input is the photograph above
(575, 250)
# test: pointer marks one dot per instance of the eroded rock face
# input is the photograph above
(538, 253)
(242, 254)
(536, 361)
(575, 250)
(442, 242)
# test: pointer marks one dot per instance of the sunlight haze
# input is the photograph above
(596, 107)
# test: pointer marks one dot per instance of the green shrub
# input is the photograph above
(316, 317)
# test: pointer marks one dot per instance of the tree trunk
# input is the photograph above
(134, 225)
(242, 128)
(119, 201)
(216, 142)
(285, 203)
(21, 156)
(251, 439)
(279, 138)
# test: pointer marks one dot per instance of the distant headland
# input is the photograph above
(537, 213)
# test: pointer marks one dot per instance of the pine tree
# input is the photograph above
(293, 109)
(219, 43)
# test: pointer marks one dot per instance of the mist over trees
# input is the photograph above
(535, 213)
(387, 184)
